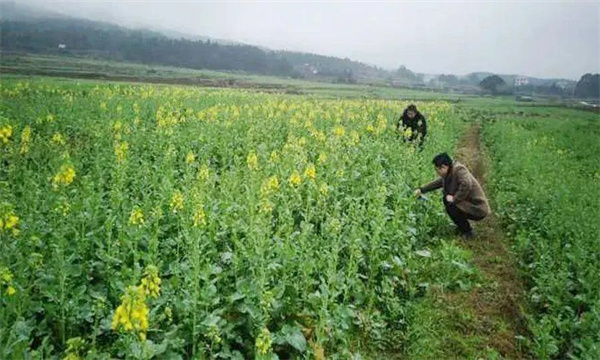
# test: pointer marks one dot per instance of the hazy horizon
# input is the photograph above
(538, 39)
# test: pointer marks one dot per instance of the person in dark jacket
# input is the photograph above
(412, 125)
(464, 198)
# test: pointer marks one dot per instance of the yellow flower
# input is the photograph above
(190, 158)
(6, 277)
(295, 179)
(270, 185)
(74, 347)
(370, 128)
(64, 176)
(117, 126)
(266, 206)
(11, 221)
(58, 139)
(324, 189)
(263, 342)
(213, 334)
(25, 140)
(310, 171)
(121, 151)
(136, 217)
(274, 157)
(252, 161)
(199, 217)
(407, 133)
(339, 131)
(132, 314)
(5, 133)
(322, 158)
(176, 202)
(354, 137)
(204, 172)
(151, 282)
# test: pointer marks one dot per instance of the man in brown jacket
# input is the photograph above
(463, 196)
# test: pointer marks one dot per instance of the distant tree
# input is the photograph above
(406, 74)
(448, 79)
(493, 84)
(588, 86)
(472, 79)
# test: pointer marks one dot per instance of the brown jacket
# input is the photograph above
(468, 194)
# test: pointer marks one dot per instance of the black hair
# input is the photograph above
(412, 107)
(442, 159)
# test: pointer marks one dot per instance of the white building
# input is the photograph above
(521, 81)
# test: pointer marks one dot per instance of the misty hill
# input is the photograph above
(37, 32)
(34, 31)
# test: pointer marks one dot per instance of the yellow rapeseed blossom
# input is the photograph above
(176, 202)
(381, 123)
(199, 217)
(266, 206)
(295, 179)
(203, 172)
(252, 161)
(117, 126)
(151, 282)
(132, 314)
(322, 158)
(354, 137)
(25, 140)
(58, 139)
(370, 128)
(121, 151)
(64, 176)
(5, 133)
(263, 342)
(319, 135)
(6, 277)
(190, 158)
(339, 131)
(324, 189)
(214, 334)
(136, 217)
(274, 157)
(310, 172)
(271, 184)
(75, 346)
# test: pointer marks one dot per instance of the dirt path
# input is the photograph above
(490, 315)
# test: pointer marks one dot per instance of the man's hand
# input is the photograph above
(450, 198)
(418, 193)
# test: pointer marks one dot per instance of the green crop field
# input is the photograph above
(169, 222)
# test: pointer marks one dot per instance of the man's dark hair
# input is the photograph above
(412, 107)
(442, 159)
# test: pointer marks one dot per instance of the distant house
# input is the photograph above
(310, 69)
(521, 81)
(62, 47)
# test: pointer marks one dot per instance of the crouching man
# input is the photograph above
(463, 196)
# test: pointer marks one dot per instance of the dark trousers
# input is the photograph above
(459, 217)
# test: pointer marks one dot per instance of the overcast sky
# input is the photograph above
(542, 38)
